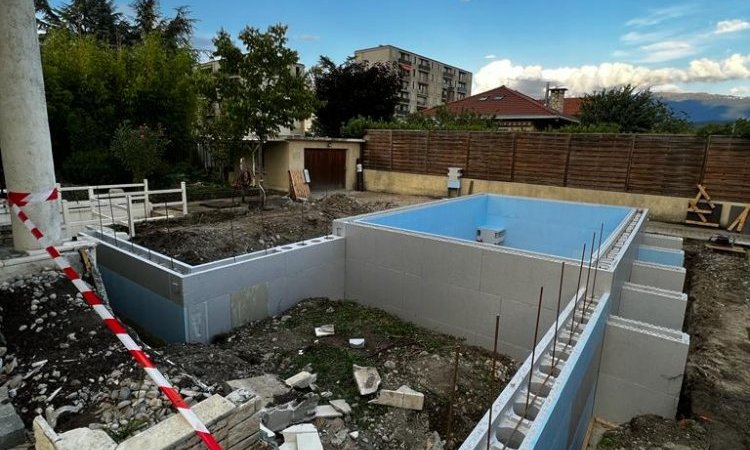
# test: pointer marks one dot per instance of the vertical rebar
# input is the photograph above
(112, 216)
(588, 276)
(533, 350)
(596, 267)
(492, 377)
(449, 435)
(557, 315)
(575, 297)
(101, 220)
(169, 234)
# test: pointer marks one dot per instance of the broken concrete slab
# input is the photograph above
(294, 412)
(266, 386)
(403, 397)
(357, 342)
(324, 330)
(342, 406)
(301, 437)
(290, 433)
(367, 378)
(327, 412)
(309, 441)
(301, 380)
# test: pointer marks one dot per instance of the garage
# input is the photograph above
(327, 168)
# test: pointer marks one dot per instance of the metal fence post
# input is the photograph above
(146, 204)
(184, 198)
(131, 223)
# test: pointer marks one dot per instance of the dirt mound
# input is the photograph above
(654, 432)
(212, 235)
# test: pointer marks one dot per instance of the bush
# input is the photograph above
(93, 167)
(139, 150)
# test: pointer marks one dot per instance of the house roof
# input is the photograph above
(503, 103)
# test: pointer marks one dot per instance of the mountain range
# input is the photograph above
(702, 108)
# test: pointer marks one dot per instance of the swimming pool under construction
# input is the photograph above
(598, 328)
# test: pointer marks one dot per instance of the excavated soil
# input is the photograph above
(217, 234)
(403, 354)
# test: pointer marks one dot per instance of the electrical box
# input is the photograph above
(454, 177)
(491, 235)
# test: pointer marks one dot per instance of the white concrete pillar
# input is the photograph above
(24, 128)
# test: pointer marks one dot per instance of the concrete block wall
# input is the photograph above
(661, 255)
(648, 304)
(235, 424)
(660, 276)
(183, 303)
(661, 240)
(455, 287)
(641, 370)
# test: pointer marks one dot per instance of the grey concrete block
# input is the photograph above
(451, 263)
(12, 431)
(655, 306)
(645, 355)
(618, 401)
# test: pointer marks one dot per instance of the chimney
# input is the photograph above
(557, 99)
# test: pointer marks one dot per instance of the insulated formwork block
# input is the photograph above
(660, 240)
(655, 306)
(642, 367)
(659, 255)
(659, 276)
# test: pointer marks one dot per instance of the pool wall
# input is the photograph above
(183, 303)
(457, 286)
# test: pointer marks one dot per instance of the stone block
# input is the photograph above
(327, 412)
(403, 397)
(242, 430)
(265, 386)
(85, 439)
(12, 431)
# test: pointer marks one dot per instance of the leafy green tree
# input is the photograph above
(97, 18)
(739, 128)
(256, 90)
(353, 89)
(633, 111)
(139, 149)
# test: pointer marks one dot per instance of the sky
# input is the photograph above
(584, 45)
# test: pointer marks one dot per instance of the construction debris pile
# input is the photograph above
(363, 378)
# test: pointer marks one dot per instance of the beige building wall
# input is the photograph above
(663, 208)
(290, 154)
(427, 82)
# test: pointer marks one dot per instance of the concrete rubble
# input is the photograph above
(367, 378)
(342, 406)
(403, 397)
(324, 330)
(294, 412)
(266, 386)
(301, 437)
(357, 342)
(327, 412)
(301, 380)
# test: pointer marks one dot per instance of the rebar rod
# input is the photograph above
(598, 256)
(557, 315)
(575, 297)
(449, 435)
(492, 376)
(533, 349)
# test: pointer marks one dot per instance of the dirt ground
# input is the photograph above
(714, 410)
(211, 234)
(403, 354)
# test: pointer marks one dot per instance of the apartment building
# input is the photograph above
(426, 83)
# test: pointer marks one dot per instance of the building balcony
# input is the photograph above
(425, 67)
(448, 74)
(461, 89)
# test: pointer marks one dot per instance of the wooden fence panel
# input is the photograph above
(409, 151)
(727, 172)
(490, 156)
(666, 164)
(541, 158)
(446, 149)
(376, 151)
(599, 161)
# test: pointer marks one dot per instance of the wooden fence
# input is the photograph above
(669, 165)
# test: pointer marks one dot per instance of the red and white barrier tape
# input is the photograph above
(110, 321)
(24, 198)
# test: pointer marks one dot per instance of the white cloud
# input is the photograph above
(657, 16)
(490, 56)
(731, 26)
(635, 37)
(586, 79)
(740, 91)
(666, 51)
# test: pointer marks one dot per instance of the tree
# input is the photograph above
(256, 91)
(353, 89)
(176, 31)
(97, 18)
(139, 149)
(633, 111)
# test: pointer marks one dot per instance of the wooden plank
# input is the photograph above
(705, 224)
(298, 189)
(727, 248)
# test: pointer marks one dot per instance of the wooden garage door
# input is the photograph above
(327, 167)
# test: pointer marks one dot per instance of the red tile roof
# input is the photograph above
(502, 103)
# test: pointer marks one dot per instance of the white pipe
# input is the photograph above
(24, 128)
